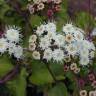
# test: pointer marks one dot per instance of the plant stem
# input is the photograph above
(9, 75)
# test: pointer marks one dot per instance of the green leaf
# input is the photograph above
(35, 20)
(5, 65)
(41, 77)
(58, 90)
(40, 74)
(57, 68)
(18, 85)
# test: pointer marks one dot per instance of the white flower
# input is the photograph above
(85, 44)
(11, 48)
(69, 38)
(12, 34)
(18, 52)
(68, 28)
(58, 55)
(92, 54)
(84, 61)
(72, 49)
(40, 6)
(79, 45)
(47, 54)
(84, 52)
(78, 35)
(83, 93)
(60, 40)
(36, 55)
(30, 8)
(92, 93)
(51, 27)
(3, 45)
(44, 43)
(32, 46)
(71, 29)
(51, 35)
(71, 43)
(32, 38)
(40, 30)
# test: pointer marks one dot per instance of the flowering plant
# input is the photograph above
(69, 47)
(39, 5)
(10, 42)
(47, 44)
(49, 59)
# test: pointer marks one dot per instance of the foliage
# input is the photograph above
(37, 72)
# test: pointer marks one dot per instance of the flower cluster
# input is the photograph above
(85, 93)
(73, 67)
(88, 80)
(9, 42)
(38, 5)
(48, 44)
(76, 45)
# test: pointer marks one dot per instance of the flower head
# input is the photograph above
(40, 6)
(81, 82)
(31, 8)
(50, 13)
(73, 66)
(51, 27)
(36, 55)
(58, 55)
(32, 46)
(66, 68)
(3, 45)
(69, 38)
(83, 93)
(77, 70)
(72, 49)
(40, 30)
(15, 50)
(12, 34)
(92, 93)
(18, 52)
(84, 61)
(32, 38)
(47, 54)
(94, 84)
(44, 43)
(91, 77)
